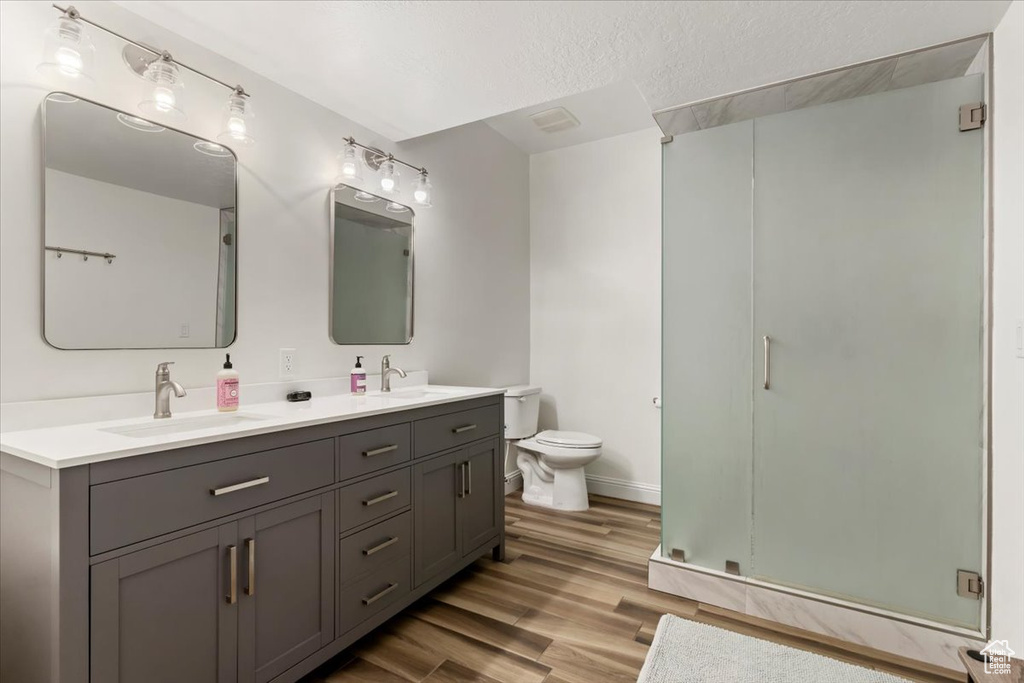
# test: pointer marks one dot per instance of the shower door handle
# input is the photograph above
(767, 362)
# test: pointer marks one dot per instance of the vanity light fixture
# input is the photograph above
(395, 207)
(69, 51)
(389, 175)
(238, 119)
(67, 48)
(421, 190)
(135, 123)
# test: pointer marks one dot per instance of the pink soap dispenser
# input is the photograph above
(227, 387)
(357, 378)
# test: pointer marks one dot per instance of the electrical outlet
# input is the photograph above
(184, 331)
(287, 362)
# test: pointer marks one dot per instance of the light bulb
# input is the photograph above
(421, 190)
(238, 118)
(349, 168)
(388, 177)
(67, 49)
(165, 97)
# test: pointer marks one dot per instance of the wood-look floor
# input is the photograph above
(570, 604)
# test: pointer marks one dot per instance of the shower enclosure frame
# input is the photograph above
(723, 589)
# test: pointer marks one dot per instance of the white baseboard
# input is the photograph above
(626, 490)
(513, 481)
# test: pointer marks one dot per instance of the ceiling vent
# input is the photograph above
(554, 120)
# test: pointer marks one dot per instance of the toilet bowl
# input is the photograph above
(552, 464)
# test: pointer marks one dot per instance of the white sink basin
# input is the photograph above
(188, 424)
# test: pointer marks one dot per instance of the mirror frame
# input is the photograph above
(42, 231)
(412, 273)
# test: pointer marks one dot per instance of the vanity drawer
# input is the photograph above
(447, 431)
(371, 499)
(369, 550)
(365, 452)
(130, 510)
(366, 597)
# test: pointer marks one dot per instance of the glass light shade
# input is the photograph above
(365, 197)
(164, 98)
(421, 191)
(67, 50)
(237, 125)
(211, 149)
(135, 123)
(349, 165)
(389, 178)
(395, 207)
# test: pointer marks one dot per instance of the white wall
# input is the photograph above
(1007, 592)
(595, 302)
(472, 250)
(164, 276)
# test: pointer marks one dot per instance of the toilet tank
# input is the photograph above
(522, 406)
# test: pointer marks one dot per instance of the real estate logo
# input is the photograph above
(997, 657)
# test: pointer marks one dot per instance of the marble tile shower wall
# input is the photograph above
(918, 68)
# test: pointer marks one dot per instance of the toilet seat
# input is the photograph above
(561, 439)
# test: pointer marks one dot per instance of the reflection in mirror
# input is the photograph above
(371, 269)
(140, 232)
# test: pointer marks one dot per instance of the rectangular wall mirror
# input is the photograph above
(139, 232)
(371, 269)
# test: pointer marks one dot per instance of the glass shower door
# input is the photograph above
(706, 348)
(868, 283)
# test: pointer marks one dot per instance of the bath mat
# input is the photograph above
(686, 651)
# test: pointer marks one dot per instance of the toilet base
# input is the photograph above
(562, 489)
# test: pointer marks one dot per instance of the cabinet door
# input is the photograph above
(436, 488)
(481, 518)
(286, 584)
(163, 614)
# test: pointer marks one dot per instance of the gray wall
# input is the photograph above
(472, 250)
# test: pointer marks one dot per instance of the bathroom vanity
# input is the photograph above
(244, 547)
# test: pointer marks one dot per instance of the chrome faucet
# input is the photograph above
(386, 371)
(164, 386)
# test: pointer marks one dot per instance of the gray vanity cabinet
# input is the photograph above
(162, 615)
(286, 596)
(248, 560)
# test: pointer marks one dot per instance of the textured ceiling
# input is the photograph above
(409, 68)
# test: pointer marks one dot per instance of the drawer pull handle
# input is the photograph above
(380, 499)
(380, 451)
(238, 487)
(377, 548)
(463, 429)
(250, 543)
(378, 596)
(232, 595)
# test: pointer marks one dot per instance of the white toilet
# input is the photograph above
(551, 462)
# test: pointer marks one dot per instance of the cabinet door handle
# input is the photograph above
(463, 429)
(462, 480)
(378, 596)
(232, 596)
(259, 481)
(767, 362)
(469, 478)
(380, 546)
(380, 451)
(250, 545)
(380, 499)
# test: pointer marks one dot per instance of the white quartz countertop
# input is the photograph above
(81, 444)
